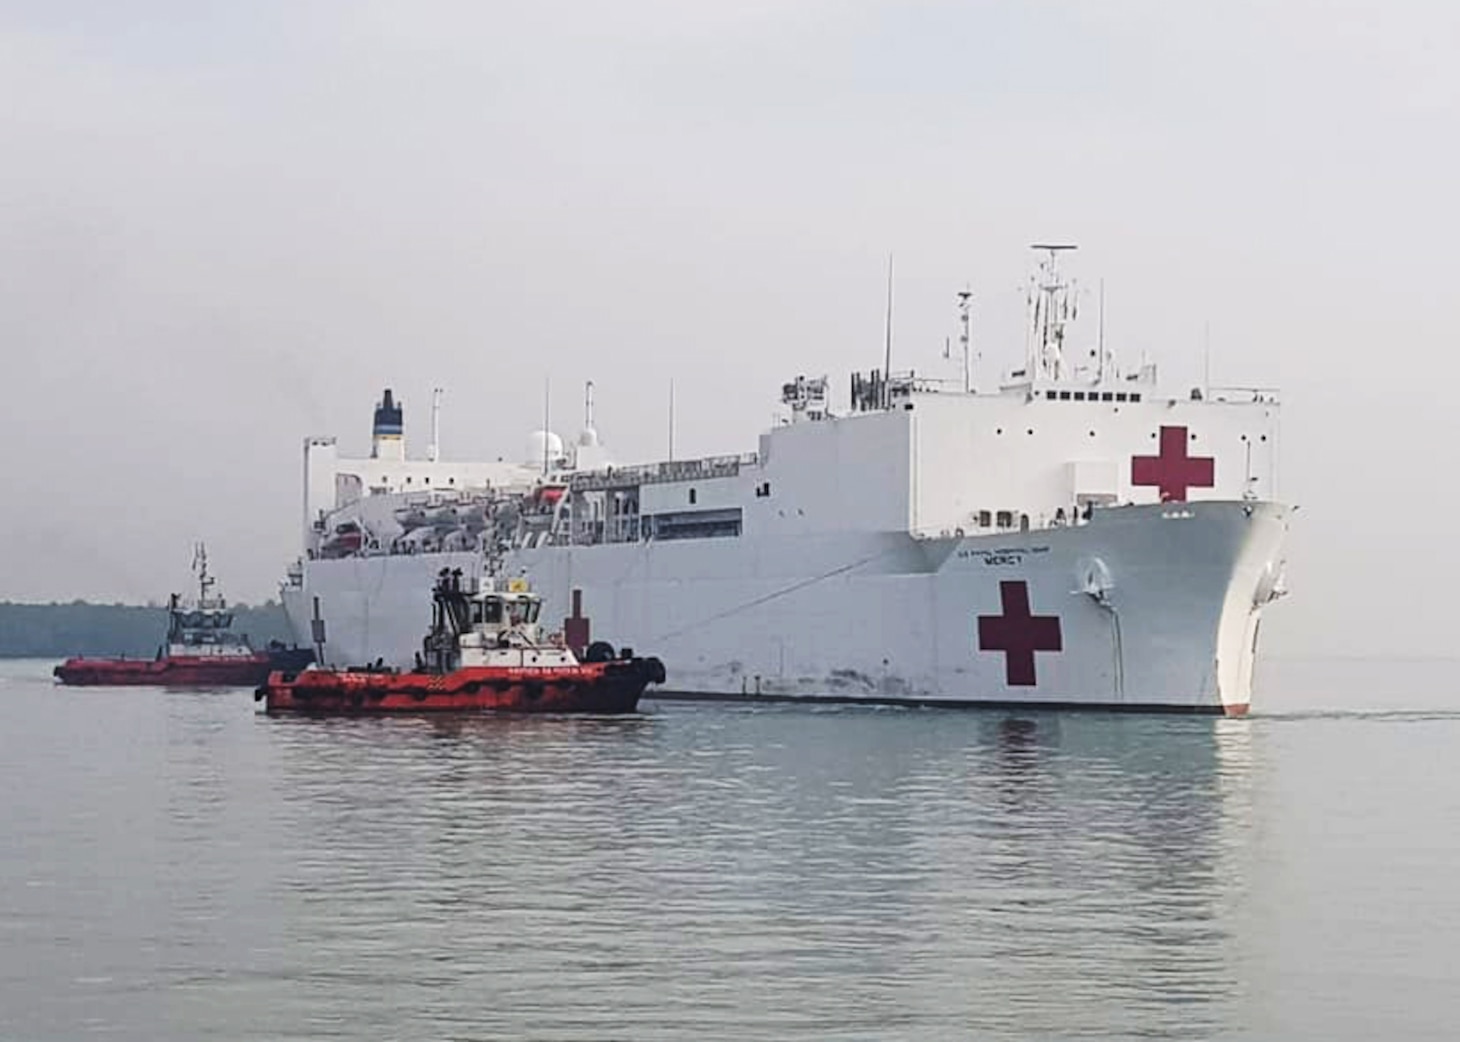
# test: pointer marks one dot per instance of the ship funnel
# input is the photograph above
(387, 434)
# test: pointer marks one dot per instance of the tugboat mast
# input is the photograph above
(200, 565)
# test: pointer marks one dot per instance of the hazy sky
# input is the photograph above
(225, 226)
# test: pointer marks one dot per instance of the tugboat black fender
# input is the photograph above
(599, 651)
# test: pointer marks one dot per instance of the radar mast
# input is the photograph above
(200, 566)
(965, 306)
(1051, 306)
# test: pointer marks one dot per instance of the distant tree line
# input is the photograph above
(81, 628)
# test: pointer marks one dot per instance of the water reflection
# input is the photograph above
(787, 869)
(185, 867)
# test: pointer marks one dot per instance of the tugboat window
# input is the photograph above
(492, 611)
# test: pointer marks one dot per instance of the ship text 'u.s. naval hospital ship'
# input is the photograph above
(1074, 538)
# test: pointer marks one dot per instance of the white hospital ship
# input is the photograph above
(1074, 537)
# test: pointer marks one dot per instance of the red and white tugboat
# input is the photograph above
(485, 652)
(201, 650)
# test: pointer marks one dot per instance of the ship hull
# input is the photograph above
(1143, 608)
(602, 688)
(171, 671)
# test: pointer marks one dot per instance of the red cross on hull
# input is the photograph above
(1018, 633)
(1173, 471)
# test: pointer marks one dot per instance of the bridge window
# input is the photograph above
(1064, 396)
(1006, 519)
(1107, 397)
(1079, 396)
(1135, 397)
(985, 518)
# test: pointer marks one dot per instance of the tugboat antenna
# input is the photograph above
(200, 565)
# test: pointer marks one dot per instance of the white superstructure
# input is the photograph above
(1074, 537)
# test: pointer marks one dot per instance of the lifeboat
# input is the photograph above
(485, 652)
(201, 649)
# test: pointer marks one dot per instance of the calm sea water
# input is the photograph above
(174, 866)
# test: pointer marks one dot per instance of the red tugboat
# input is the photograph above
(485, 652)
(201, 649)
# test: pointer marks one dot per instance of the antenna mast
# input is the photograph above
(433, 453)
(965, 304)
(547, 430)
(1206, 362)
(887, 349)
(1052, 306)
(200, 565)
(588, 405)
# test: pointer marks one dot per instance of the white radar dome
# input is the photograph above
(542, 444)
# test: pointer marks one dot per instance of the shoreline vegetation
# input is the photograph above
(135, 630)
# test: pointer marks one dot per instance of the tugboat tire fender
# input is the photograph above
(599, 651)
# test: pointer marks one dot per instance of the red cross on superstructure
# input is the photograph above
(1173, 471)
(1018, 634)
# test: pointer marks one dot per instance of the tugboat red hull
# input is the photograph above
(598, 687)
(169, 671)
